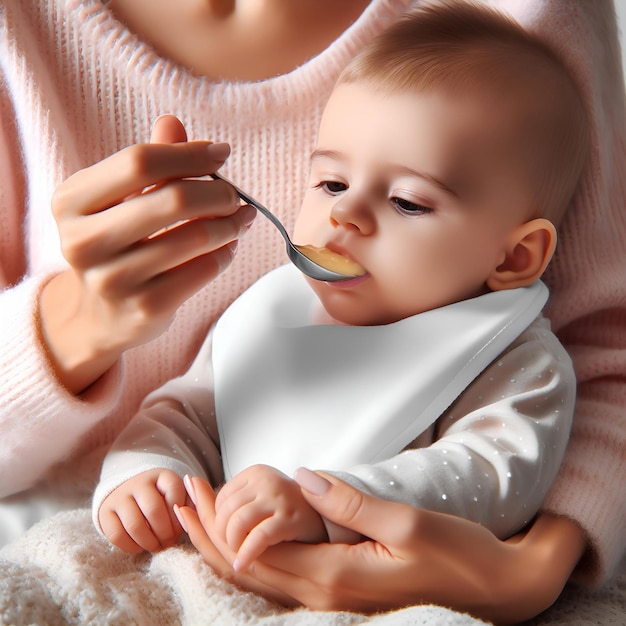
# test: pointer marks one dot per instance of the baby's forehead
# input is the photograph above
(471, 132)
(484, 115)
(502, 105)
(476, 70)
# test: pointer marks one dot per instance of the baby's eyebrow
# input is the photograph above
(402, 169)
(428, 177)
(328, 154)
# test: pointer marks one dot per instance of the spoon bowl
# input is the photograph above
(300, 256)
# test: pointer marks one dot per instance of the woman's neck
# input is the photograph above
(238, 40)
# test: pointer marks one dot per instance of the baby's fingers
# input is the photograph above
(261, 537)
(149, 520)
(231, 523)
(243, 523)
(126, 528)
(173, 490)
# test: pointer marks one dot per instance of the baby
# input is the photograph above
(446, 156)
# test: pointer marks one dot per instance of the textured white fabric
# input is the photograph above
(62, 573)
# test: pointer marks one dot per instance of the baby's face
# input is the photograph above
(418, 188)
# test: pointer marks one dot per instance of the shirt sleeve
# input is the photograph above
(497, 449)
(175, 428)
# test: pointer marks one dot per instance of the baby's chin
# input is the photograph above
(321, 316)
(325, 316)
(336, 307)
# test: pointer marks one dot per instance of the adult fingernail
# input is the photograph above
(248, 214)
(233, 246)
(239, 569)
(219, 151)
(189, 487)
(311, 481)
(179, 517)
(226, 255)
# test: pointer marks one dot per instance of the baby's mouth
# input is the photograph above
(333, 258)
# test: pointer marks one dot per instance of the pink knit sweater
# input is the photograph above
(76, 86)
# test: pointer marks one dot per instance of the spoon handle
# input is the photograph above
(257, 205)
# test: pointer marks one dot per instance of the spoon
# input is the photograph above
(328, 266)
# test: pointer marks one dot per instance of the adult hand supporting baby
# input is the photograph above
(130, 269)
(414, 557)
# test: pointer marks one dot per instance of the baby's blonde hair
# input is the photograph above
(460, 48)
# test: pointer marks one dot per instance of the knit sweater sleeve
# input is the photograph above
(56, 420)
(32, 402)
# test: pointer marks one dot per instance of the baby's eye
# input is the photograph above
(332, 187)
(410, 208)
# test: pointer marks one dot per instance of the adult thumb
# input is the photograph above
(346, 506)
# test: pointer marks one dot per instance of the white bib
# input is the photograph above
(291, 394)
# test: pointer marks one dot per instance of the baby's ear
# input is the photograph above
(529, 248)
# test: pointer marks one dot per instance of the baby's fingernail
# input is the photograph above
(219, 151)
(179, 517)
(189, 487)
(311, 481)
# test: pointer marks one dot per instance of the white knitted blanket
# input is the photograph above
(62, 572)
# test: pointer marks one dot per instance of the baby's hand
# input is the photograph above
(139, 515)
(261, 507)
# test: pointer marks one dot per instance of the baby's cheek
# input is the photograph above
(310, 226)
